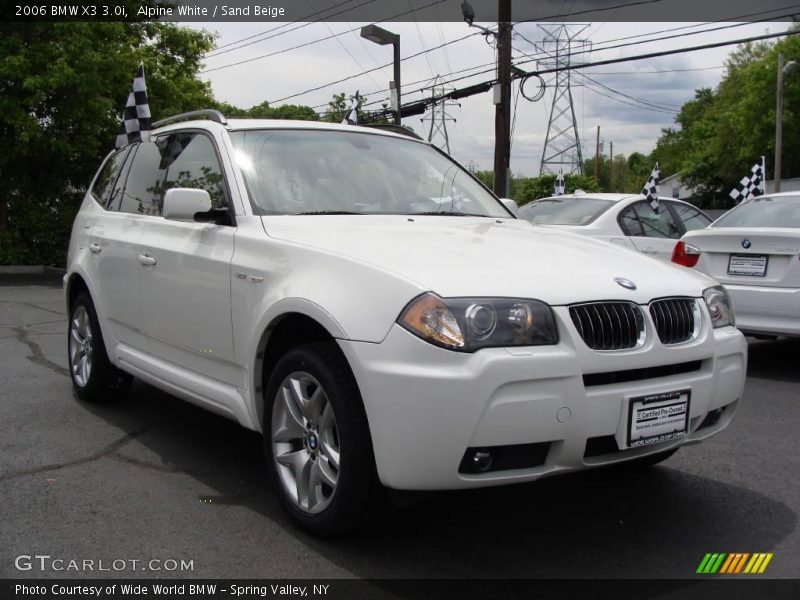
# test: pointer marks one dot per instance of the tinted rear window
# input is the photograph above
(565, 210)
(781, 211)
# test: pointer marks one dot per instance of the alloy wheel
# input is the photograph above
(305, 442)
(80, 346)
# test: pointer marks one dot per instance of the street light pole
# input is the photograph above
(380, 36)
(782, 71)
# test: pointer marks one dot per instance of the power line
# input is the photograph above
(413, 107)
(533, 57)
(216, 51)
(349, 77)
(309, 43)
(665, 106)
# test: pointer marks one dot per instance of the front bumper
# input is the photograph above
(763, 309)
(426, 406)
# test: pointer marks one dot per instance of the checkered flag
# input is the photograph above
(136, 123)
(351, 116)
(650, 189)
(751, 185)
(560, 184)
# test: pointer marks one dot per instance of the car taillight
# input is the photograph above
(685, 254)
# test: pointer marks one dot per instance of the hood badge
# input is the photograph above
(626, 283)
(746, 244)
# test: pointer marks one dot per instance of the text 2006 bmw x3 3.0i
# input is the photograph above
(382, 318)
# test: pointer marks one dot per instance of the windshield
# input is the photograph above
(340, 172)
(781, 211)
(564, 210)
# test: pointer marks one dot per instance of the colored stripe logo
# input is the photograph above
(734, 563)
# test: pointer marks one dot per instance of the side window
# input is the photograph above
(191, 162)
(144, 186)
(640, 220)
(690, 217)
(106, 183)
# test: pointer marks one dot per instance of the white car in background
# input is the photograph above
(623, 219)
(754, 250)
(357, 296)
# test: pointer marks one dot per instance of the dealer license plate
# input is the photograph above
(658, 418)
(747, 264)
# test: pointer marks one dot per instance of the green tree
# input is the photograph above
(265, 111)
(62, 90)
(720, 133)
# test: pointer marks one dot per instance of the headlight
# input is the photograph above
(719, 306)
(469, 324)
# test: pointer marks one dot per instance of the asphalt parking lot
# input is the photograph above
(155, 478)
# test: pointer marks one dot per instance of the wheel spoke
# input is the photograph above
(288, 432)
(313, 405)
(326, 418)
(73, 334)
(324, 473)
(293, 412)
(330, 452)
(306, 492)
(295, 460)
(84, 324)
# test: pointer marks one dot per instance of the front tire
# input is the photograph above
(94, 378)
(317, 442)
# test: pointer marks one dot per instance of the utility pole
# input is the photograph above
(611, 167)
(502, 115)
(597, 156)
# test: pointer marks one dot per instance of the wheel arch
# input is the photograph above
(75, 285)
(284, 331)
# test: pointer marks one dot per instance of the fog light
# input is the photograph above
(481, 461)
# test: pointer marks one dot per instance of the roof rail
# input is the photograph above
(399, 129)
(209, 113)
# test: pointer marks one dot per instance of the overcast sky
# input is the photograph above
(631, 126)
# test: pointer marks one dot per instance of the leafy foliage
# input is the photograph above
(62, 89)
(720, 133)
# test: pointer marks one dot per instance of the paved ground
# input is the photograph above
(155, 478)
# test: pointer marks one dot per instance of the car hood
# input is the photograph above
(474, 256)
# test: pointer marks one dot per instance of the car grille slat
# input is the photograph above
(674, 319)
(608, 325)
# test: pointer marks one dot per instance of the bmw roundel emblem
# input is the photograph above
(746, 244)
(626, 283)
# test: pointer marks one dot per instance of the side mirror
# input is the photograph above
(182, 204)
(510, 205)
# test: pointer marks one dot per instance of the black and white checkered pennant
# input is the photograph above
(136, 123)
(560, 184)
(751, 185)
(351, 116)
(650, 189)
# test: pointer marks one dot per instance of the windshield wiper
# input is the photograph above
(328, 212)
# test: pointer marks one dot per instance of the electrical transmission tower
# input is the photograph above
(439, 116)
(562, 145)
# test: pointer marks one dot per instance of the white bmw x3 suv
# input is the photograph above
(384, 320)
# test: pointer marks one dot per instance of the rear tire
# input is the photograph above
(94, 378)
(317, 442)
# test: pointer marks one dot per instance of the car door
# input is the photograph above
(114, 233)
(653, 233)
(185, 270)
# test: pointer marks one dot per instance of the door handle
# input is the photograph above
(95, 248)
(147, 260)
(649, 250)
